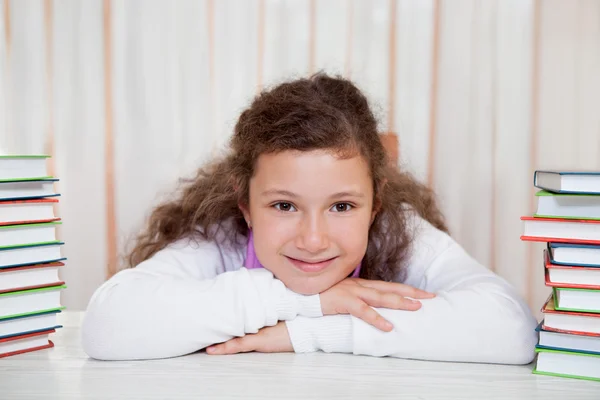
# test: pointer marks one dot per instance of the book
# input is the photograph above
(570, 276)
(567, 321)
(561, 230)
(30, 277)
(27, 189)
(26, 343)
(15, 212)
(574, 254)
(30, 255)
(28, 234)
(11, 257)
(567, 364)
(32, 301)
(23, 325)
(568, 341)
(567, 206)
(581, 182)
(575, 299)
(13, 167)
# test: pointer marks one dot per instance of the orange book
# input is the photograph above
(30, 277)
(17, 212)
(14, 345)
(561, 230)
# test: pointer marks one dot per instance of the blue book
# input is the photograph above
(27, 324)
(32, 254)
(24, 189)
(571, 254)
(582, 182)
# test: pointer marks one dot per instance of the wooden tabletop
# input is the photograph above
(65, 372)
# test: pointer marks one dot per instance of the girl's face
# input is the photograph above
(310, 214)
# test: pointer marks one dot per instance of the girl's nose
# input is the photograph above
(313, 236)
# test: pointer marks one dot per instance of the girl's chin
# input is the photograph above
(310, 285)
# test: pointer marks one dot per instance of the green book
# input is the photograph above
(15, 168)
(576, 300)
(567, 205)
(32, 301)
(16, 236)
(567, 364)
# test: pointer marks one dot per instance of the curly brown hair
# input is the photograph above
(319, 112)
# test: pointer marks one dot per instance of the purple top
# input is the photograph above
(252, 261)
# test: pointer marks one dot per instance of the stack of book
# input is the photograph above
(30, 255)
(568, 220)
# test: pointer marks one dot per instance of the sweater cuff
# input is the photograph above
(293, 304)
(331, 334)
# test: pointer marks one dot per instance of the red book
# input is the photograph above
(16, 212)
(561, 230)
(30, 277)
(25, 343)
(566, 276)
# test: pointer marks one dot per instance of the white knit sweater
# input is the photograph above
(191, 295)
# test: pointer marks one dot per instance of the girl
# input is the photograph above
(304, 238)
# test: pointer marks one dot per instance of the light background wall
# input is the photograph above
(129, 95)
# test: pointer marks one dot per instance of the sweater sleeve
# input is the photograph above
(183, 299)
(475, 317)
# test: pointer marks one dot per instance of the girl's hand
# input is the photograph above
(271, 339)
(356, 296)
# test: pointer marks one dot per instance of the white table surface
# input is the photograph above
(65, 372)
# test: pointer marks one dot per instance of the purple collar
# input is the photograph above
(252, 261)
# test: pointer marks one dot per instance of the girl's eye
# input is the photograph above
(341, 207)
(285, 207)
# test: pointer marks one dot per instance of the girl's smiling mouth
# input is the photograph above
(310, 265)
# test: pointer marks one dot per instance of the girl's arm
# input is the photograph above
(186, 297)
(476, 317)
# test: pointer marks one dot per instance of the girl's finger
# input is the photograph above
(362, 310)
(398, 288)
(233, 346)
(376, 298)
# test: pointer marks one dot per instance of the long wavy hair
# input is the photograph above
(315, 113)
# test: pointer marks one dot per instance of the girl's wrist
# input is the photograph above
(309, 306)
(292, 304)
(331, 334)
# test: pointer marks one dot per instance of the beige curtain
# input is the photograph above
(129, 95)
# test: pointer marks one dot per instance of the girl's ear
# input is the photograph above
(241, 205)
(246, 211)
(377, 203)
(376, 208)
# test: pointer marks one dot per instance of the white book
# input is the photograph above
(27, 189)
(27, 211)
(547, 229)
(573, 322)
(23, 167)
(575, 365)
(28, 324)
(577, 206)
(574, 276)
(22, 344)
(31, 301)
(12, 279)
(568, 181)
(559, 340)
(28, 234)
(570, 299)
(30, 255)
(575, 254)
